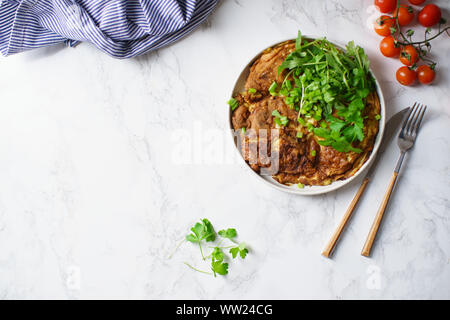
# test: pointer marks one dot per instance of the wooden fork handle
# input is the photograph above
(376, 223)
(337, 233)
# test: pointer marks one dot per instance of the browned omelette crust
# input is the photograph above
(265, 69)
(296, 163)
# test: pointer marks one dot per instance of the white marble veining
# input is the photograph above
(92, 200)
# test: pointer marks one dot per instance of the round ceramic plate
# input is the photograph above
(307, 190)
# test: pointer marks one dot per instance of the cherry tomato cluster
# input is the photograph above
(397, 44)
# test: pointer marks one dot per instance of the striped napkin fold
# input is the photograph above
(120, 28)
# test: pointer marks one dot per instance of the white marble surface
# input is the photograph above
(92, 201)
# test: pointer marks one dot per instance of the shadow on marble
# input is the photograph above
(46, 52)
(206, 25)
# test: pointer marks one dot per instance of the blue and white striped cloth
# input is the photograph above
(121, 28)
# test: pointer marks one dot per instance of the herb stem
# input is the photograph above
(424, 41)
(309, 44)
(176, 248)
(227, 247)
(198, 270)
(201, 251)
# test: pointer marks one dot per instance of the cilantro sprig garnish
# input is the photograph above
(203, 232)
(240, 249)
(328, 86)
(229, 233)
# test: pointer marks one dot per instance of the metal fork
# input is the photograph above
(405, 141)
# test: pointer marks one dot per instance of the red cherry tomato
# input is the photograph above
(408, 55)
(429, 15)
(383, 24)
(416, 2)
(405, 14)
(425, 74)
(386, 6)
(406, 76)
(389, 48)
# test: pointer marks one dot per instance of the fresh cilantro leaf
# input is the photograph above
(243, 253)
(293, 60)
(210, 233)
(241, 250)
(363, 93)
(335, 124)
(328, 96)
(229, 233)
(197, 233)
(356, 105)
(217, 254)
(252, 90)
(219, 267)
(353, 132)
(202, 231)
(234, 252)
(321, 132)
(192, 238)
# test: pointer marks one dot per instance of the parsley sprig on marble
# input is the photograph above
(328, 87)
(202, 233)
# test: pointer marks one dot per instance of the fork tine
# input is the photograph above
(408, 114)
(412, 129)
(419, 119)
(411, 118)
